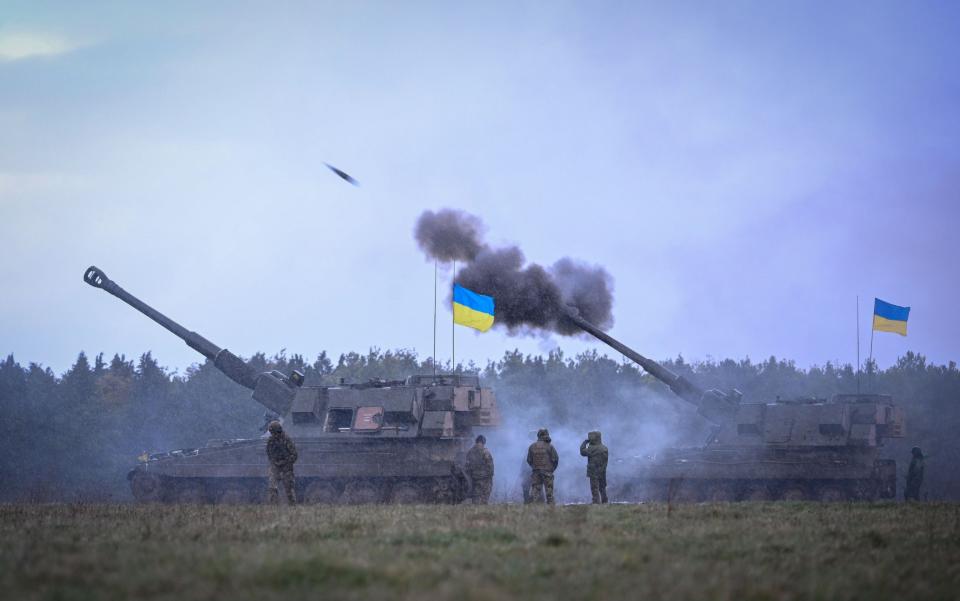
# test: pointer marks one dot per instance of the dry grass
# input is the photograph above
(736, 551)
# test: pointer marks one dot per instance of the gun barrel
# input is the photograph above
(652, 367)
(231, 365)
(712, 404)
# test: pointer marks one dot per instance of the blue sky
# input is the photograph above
(743, 169)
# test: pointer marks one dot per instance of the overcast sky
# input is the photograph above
(744, 170)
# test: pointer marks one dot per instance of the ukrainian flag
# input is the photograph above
(471, 309)
(890, 318)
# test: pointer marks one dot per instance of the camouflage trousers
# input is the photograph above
(482, 487)
(912, 492)
(540, 483)
(284, 475)
(598, 488)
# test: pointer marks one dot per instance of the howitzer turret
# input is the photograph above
(400, 441)
(272, 389)
(814, 449)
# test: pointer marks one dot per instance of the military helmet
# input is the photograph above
(916, 452)
(481, 438)
(542, 434)
(275, 427)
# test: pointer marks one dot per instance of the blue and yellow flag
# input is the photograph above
(471, 309)
(890, 318)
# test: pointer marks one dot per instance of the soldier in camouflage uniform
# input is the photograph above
(480, 469)
(914, 476)
(543, 459)
(282, 454)
(596, 454)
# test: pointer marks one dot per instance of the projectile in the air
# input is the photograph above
(346, 176)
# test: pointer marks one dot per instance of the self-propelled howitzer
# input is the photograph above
(400, 441)
(814, 449)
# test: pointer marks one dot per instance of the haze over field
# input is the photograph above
(742, 170)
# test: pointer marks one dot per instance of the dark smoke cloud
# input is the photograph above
(449, 235)
(527, 296)
(589, 288)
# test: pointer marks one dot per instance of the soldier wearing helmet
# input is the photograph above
(596, 453)
(480, 469)
(282, 454)
(914, 476)
(543, 460)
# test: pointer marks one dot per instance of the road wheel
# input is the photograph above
(444, 491)
(321, 493)
(867, 491)
(234, 494)
(359, 492)
(624, 493)
(757, 492)
(794, 493)
(832, 494)
(657, 491)
(721, 492)
(406, 493)
(684, 491)
(146, 487)
(191, 493)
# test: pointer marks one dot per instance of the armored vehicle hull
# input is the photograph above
(400, 441)
(711, 474)
(348, 472)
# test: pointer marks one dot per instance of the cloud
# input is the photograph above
(16, 46)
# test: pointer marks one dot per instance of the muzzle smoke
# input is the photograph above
(449, 235)
(527, 295)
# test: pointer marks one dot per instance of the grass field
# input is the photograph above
(735, 551)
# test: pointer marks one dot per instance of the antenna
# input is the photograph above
(858, 344)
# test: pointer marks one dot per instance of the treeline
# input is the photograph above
(73, 436)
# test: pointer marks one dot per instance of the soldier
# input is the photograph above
(914, 476)
(596, 454)
(543, 459)
(282, 454)
(480, 470)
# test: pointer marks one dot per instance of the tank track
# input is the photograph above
(702, 491)
(154, 488)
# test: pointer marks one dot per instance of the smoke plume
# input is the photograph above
(527, 295)
(449, 235)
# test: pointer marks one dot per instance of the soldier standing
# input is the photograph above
(282, 454)
(596, 454)
(480, 470)
(914, 476)
(543, 459)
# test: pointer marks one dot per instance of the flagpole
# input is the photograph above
(434, 317)
(453, 325)
(858, 344)
(870, 360)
